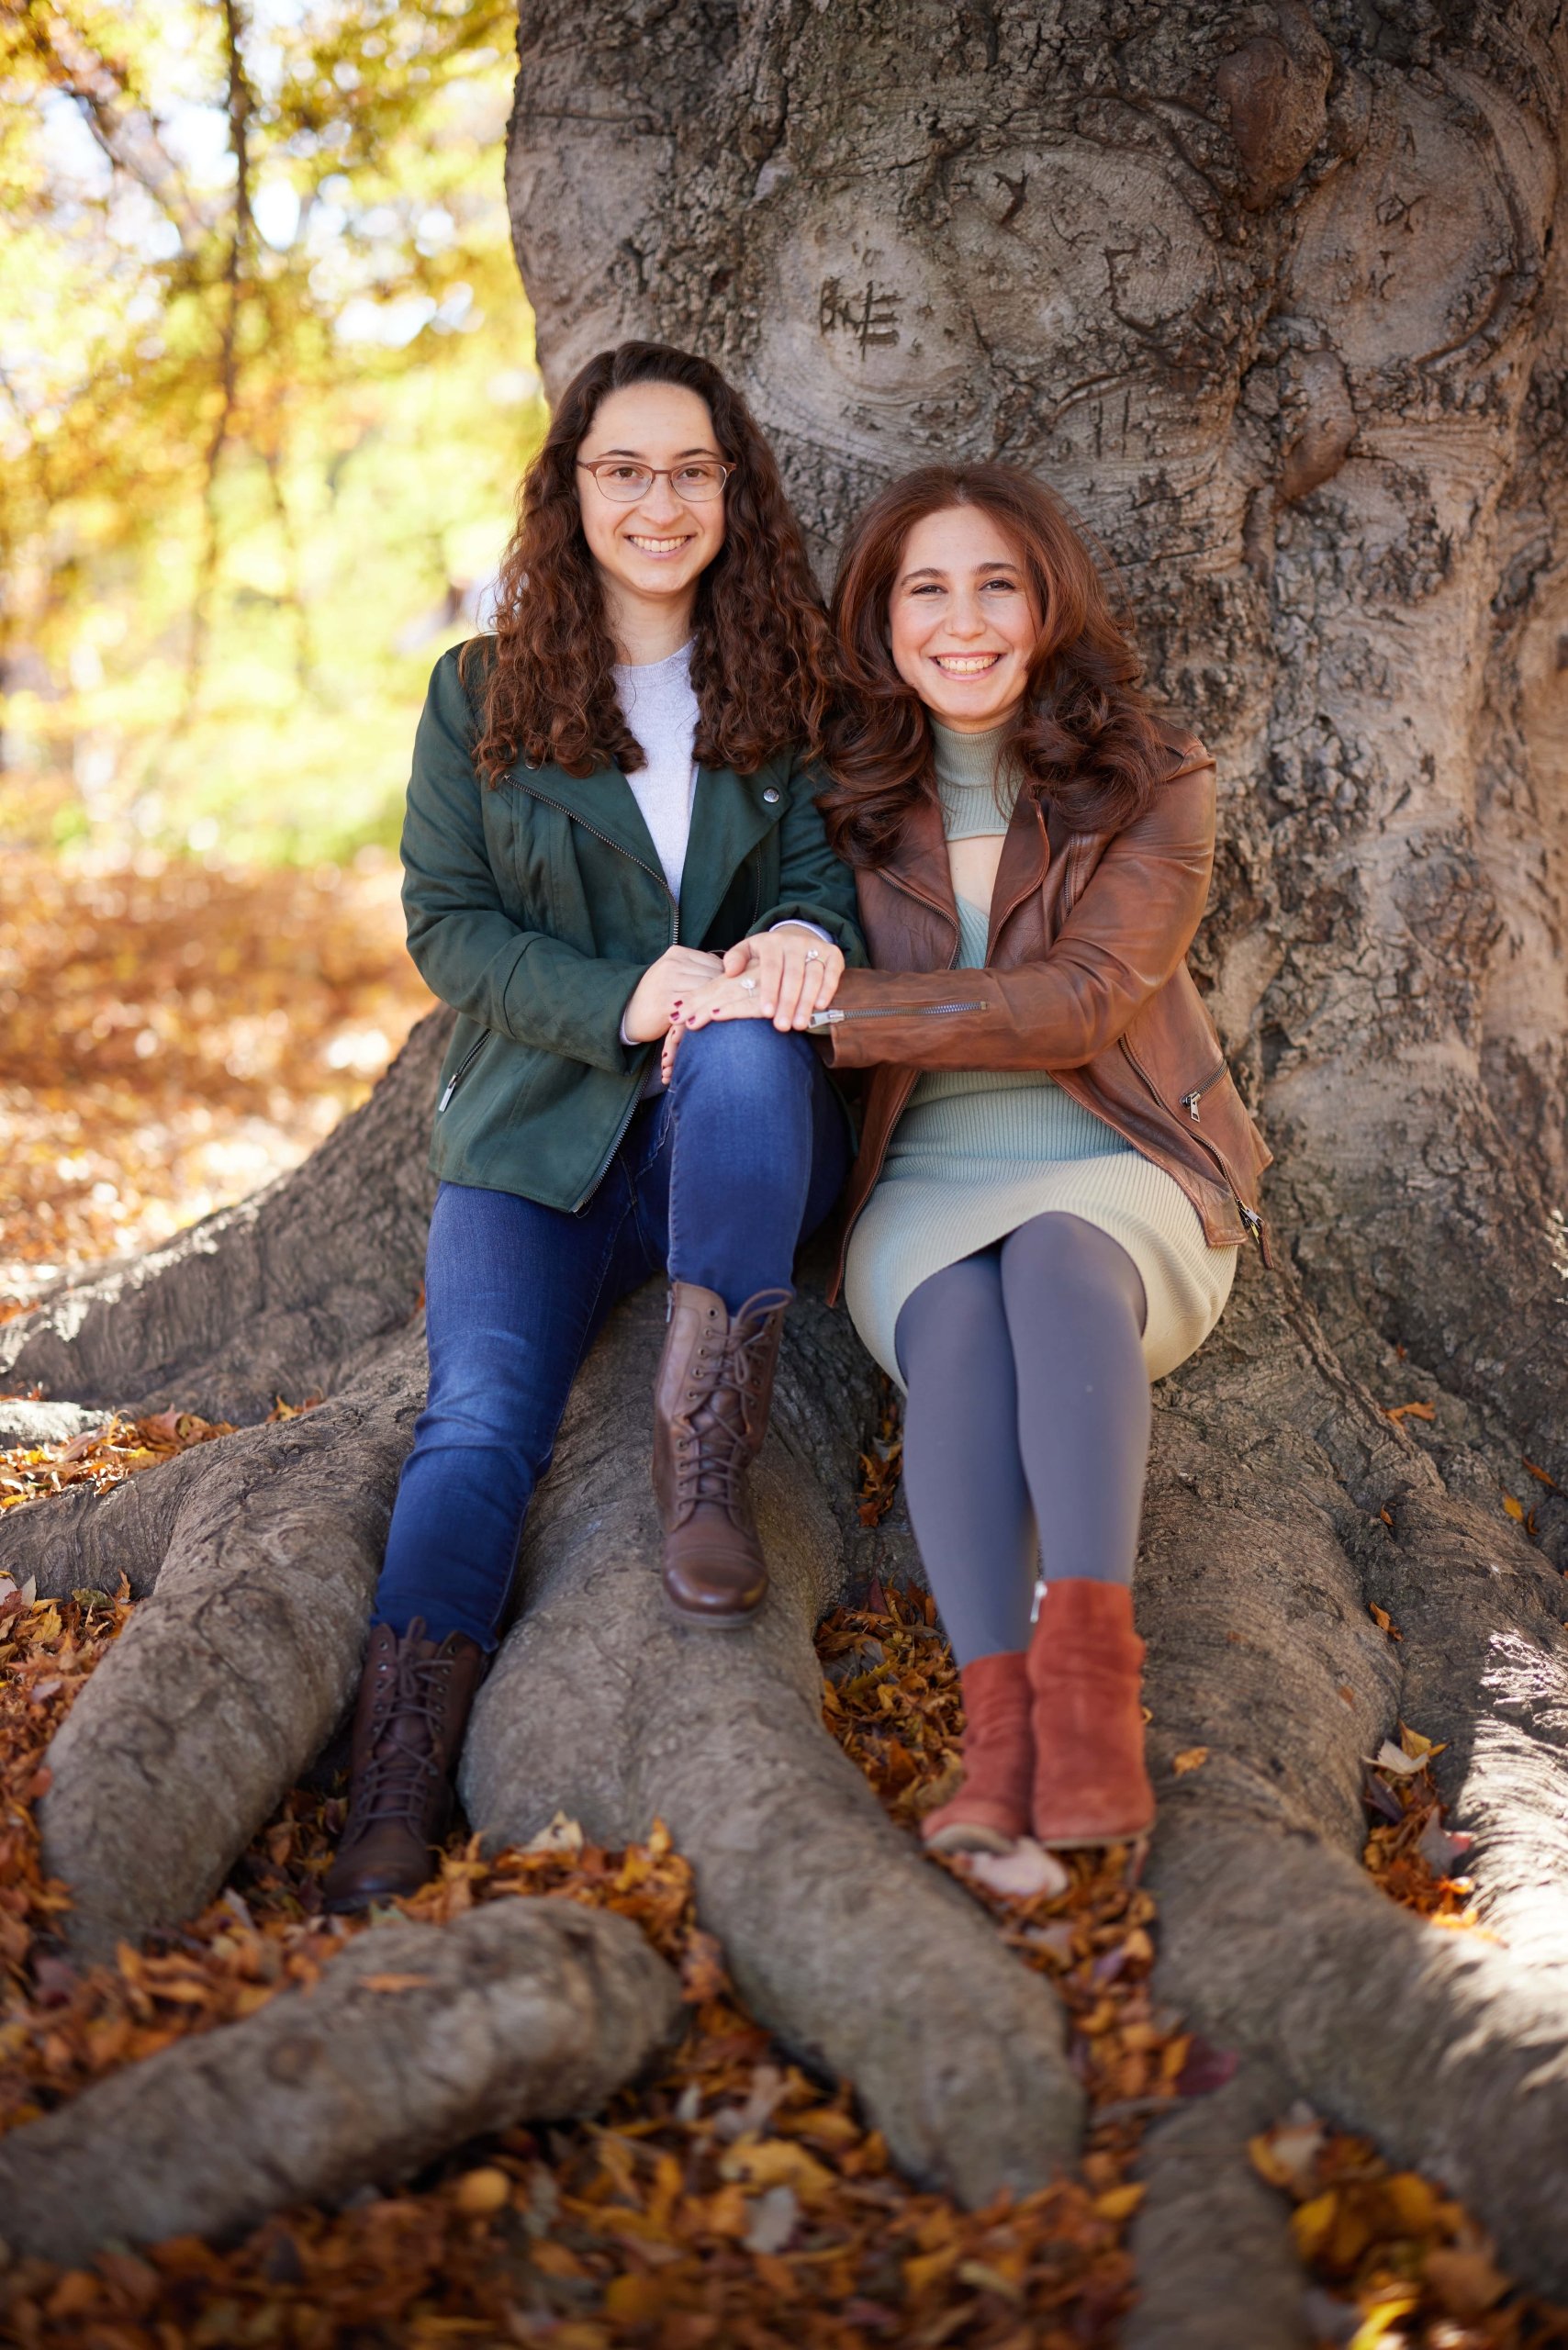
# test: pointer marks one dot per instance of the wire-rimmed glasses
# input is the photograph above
(694, 481)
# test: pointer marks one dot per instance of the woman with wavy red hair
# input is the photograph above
(1056, 1171)
(609, 807)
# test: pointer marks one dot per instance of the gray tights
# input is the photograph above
(1026, 1428)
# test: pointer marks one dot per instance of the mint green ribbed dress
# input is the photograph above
(978, 1152)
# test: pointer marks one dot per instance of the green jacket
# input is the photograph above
(535, 908)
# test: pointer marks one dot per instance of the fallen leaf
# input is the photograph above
(1287, 2158)
(1467, 2283)
(1120, 2203)
(777, 2162)
(774, 2216)
(563, 1835)
(1399, 1412)
(1439, 1847)
(1022, 1875)
(1380, 2321)
(1206, 2068)
(1312, 2223)
(393, 1982)
(1384, 1623)
(81, 1446)
(1536, 1471)
(483, 2191)
(1516, 1509)
(702, 1968)
(1390, 1757)
(1192, 1758)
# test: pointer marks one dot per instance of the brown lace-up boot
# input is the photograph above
(413, 1704)
(711, 1405)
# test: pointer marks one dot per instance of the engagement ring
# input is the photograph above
(750, 986)
(813, 955)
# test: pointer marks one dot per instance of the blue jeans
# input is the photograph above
(717, 1179)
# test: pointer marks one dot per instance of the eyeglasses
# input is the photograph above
(698, 478)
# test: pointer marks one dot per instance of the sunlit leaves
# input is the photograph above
(249, 434)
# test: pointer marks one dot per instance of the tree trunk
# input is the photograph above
(1270, 293)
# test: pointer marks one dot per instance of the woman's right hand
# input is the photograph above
(654, 999)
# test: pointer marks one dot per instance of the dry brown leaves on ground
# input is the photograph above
(109, 1455)
(173, 1034)
(1395, 2265)
(734, 2200)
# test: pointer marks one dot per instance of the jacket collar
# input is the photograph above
(730, 814)
(918, 861)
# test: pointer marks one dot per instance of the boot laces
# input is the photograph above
(407, 1715)
(713, 1445)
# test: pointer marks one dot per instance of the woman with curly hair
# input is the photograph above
(1056, 1171)
(610, 806)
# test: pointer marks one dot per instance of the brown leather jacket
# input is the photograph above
(1085, 975)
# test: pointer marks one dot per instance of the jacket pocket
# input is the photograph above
(1212, 1112)
(460, 1072)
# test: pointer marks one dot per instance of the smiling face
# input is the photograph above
(962, 620)
(650, 555)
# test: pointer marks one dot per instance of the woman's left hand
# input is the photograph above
(782, 974)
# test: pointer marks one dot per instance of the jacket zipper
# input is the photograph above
(1250, 1218)
(460, 1072)
(831, 1017)
(642, 865)
(1190, 1100)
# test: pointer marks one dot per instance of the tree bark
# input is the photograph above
(1270, 293)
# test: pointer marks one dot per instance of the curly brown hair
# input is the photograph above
(760, 659)
(1086, 736)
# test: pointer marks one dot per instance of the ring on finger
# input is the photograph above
(749, 986)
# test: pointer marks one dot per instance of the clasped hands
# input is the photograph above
(781, 975)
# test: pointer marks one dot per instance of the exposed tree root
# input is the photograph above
(415, 2038)
(1451, 2051)
(1215, 2266)
(232, 1674)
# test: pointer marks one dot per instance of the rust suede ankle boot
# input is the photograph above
(414, 1698)
(712, 1400)
(991, 1810)
(1085, 1662)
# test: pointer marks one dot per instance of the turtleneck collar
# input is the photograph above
(967, 760)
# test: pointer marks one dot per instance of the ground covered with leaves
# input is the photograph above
(172, 1034)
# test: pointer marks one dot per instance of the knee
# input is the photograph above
(1070, 1258)
(740, 1061)
(951, 1319)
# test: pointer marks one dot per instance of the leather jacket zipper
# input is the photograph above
(1190, 1100)
(1251, 1220)
(831, 1017)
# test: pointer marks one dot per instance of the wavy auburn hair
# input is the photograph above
(760, 660)
(1085, 736)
